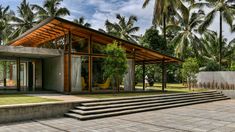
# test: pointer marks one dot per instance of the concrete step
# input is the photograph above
(108, 110)
(129, 111)
(145, 98)
(150, 101)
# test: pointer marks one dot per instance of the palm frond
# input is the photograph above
(207, 22)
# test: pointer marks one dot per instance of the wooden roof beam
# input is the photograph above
(37, 44)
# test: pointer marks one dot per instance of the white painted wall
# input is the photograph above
(217, 80)
(129, 77)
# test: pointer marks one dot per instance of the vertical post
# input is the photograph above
(143, 75)
(133, 70)
(42, 65)
(163, 75)
(69, 61)
(5, 74)
(90, 64)
(18, 73)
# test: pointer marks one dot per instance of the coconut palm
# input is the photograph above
(5, 16)
(24, 19)
(123, 29)
(164, 12)
(81, 21)
(186, 37)
(51, 8)
(226, 14)
(211, 41)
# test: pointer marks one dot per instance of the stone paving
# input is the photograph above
(212, 117)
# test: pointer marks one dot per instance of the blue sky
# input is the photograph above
(97, 11)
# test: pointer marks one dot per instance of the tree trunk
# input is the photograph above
(189, 83)
(164, 30)
(165, 48)
(220, 41)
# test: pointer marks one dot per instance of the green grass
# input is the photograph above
(169, 85)
(22, 99)
(155, 90)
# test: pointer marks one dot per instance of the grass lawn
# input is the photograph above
(22, 99)
(155, 90)
(169, 85)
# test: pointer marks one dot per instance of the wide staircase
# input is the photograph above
(120, 106)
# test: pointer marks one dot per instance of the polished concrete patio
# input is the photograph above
(213, 117)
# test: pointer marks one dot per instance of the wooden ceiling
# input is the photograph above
(53, 28)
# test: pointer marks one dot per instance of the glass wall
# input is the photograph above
(8, 74)
(99, 81)
(79, 44)
(79, 73)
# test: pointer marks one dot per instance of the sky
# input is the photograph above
(96, 12)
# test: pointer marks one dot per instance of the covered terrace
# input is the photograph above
(77, 40)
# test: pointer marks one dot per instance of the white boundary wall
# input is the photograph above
(216, 80)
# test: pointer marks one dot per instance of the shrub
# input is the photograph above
(189, 70)
(115, 64)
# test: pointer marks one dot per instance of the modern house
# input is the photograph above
(63, 56)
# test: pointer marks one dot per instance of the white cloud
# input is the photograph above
(97, 12)
(108, 10)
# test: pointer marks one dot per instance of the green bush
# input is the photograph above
(189, 70)
(232, 68)
(115, 64)
(212, 66)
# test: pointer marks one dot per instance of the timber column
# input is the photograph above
(18, 73)
(90, 64)
(163, 75)
(67, 63)
(143, 75)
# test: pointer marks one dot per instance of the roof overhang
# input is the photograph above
(28, 52)
(53, 28)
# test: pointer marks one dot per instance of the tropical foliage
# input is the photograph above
(189, 70)
(186, 41)
(151, 39)
(123, 29)
(81, 21)
(226, 14)
(115, 64)
(24, 20)
(211, 42)
(164, 12)
(50, 8)
(5, 16)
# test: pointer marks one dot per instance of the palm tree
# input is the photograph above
(81, 21)
(226, 14)
(25, 19)
(186, 39)
(5, 16)
(212, 48)
(164, 12)
(123, 29)
(51, 8)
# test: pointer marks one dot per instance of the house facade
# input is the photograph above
(63, 56)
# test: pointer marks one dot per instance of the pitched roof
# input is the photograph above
(55, 27)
